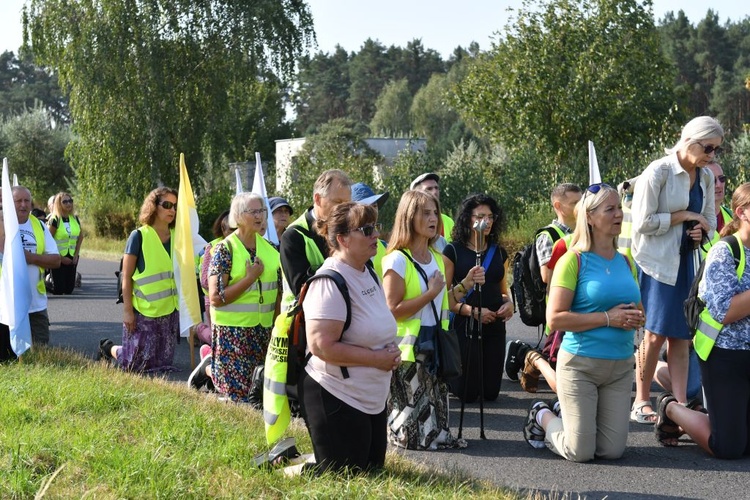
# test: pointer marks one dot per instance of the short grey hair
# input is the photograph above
(240, 203)
(326, 180)
(696, 130)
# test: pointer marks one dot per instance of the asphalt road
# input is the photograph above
(646, 471)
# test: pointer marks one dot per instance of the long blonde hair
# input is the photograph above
(411, 203)
(583, 234)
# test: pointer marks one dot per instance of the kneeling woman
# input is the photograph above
(725, 364)
(345, 383)
(595, 299)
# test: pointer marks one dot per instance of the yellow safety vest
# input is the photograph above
(314, 258)
(38, 229)
(408, 329)
(726, 214)
(66, 243)
(447, 227)
(276, 411)
(154, 289)
(708, 328)
(377, 261)
(257, 304)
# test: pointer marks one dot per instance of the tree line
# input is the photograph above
(141, 82)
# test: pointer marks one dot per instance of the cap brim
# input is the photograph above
(380, 199)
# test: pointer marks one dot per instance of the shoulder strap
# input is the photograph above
(340, 284)
(426, 281)
(734, 247)
(485, 265)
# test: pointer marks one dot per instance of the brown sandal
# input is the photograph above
(530, 374)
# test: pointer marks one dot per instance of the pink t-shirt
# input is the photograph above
(372, 327)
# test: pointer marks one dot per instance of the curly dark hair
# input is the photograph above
(462, 230)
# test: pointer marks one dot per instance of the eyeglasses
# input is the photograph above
(710, 149)
(488, 217)
(369, 229)
(67, 202)
(256, 212)
(167, 205)
(720, 179)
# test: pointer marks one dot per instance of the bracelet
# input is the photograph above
(606, 316)
(461, 284)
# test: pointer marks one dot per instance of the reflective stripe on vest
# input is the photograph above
(708, 328)
(38, 228)
(154, 289)
(256, 305)
(625, 239)
(66, 243)
(276, 412)
(314, 258)
(408, 329)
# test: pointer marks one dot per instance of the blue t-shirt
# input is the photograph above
(599, 285)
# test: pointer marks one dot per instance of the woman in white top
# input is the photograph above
(414, 282)
(345, 383)
(673, 210)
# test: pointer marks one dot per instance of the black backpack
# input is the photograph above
(529, 291)
(694, 305)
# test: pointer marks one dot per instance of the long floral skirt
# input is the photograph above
(236, 353)
(418, 409)
(150, 348)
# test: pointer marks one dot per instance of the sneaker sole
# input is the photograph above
(511, 376)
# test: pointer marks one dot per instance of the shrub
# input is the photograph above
(112, 220)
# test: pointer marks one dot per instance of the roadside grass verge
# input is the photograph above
(74, 428)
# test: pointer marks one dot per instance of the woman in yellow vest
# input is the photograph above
(725, 363)
(243, 286)
(65, 227)
(151, 320)
(418, 403)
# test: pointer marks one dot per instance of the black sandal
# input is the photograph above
(666, 430)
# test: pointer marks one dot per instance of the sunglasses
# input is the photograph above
(67, 202)
(369, 229)
(167, 205)
(710, 149)
(256, 212)
(720, 179)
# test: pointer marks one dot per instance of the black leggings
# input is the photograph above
(493, 354)
(342, 436)
(726, 380)
(64, 278)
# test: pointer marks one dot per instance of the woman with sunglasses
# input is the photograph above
(725, 364)
(594, 298)
(345, 383)
(151, 320)
(494, 299)
(414, 282)
(673, 211)
(65, 227)
(243, 290)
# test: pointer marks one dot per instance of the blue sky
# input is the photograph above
(441, 24)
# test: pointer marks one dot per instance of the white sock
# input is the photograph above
(540, 414)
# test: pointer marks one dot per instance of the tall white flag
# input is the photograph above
(15, 289)
(238, 180)
(259, 187)
(594, 176)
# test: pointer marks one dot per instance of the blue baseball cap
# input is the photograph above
(362, 193)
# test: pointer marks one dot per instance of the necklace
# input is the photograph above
(422, 258)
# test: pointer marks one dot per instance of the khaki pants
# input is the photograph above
(595, 403)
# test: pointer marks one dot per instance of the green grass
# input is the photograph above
(74, 428)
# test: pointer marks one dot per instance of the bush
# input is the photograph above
(210, 205)
(112, 220)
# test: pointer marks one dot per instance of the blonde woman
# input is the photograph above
(414, 283)
(65, 227)
(594, 298)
